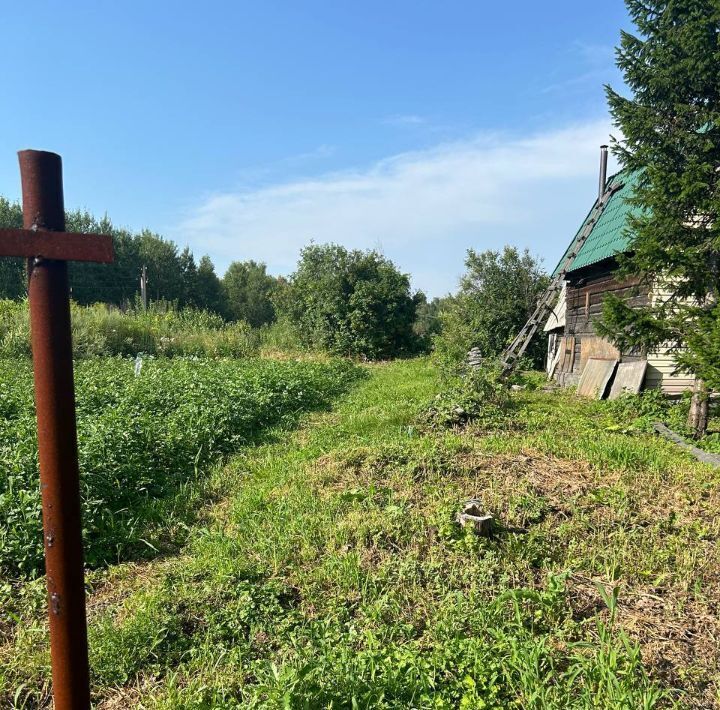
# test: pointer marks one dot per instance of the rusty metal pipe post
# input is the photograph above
(43, 208)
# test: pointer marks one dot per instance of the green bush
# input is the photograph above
(640, 412)
(480, 394)
(141, 439)
(498, 293)
(350, 303)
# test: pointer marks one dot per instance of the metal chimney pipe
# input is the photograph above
(603, 170)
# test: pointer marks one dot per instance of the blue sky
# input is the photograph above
(246, 129)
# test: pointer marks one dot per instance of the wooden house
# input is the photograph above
(572, 339)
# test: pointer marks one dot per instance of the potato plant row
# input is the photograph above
(143, 438)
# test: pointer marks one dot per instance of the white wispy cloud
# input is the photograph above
(410, 119)
(592, 66)
(423, 208)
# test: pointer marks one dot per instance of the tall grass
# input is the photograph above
(100, 330)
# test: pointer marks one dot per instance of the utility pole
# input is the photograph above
(143, 287)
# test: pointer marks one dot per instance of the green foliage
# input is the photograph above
(528, 379)
(479, 395)
(172, 276)
(349, 303)
(188, 269)
(428, 321)
(281, 338)
(497, 295)
(641, 411)
(671, 141)
(142, 438)
(335, 575)
(162, 330)
(249, 287)
(12, 271)
(701, 353)
(165, 273)
(209, 294)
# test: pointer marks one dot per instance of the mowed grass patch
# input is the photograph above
(334, 573)
(637, 515)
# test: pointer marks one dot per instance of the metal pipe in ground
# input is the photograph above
(43, 208)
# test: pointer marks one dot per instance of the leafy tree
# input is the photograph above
(189, 272)
(671, 129)
(497, 295)
(13, 281)
(210, 295)
(248, 288)
(165, 276)
(428, 322)
(350, 303)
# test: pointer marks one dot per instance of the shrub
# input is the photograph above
(478, 395)
(350, 303)
(497, 295)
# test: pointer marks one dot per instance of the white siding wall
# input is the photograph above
(660, 374)
(661, 364)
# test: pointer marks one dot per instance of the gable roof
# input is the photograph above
(609, 235)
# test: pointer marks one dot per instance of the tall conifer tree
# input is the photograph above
(670, 126)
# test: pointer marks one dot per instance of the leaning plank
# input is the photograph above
(594, 348)
(628, 378)
(699, 454)
(595, 377)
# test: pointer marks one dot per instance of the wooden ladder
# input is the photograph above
(544, 307)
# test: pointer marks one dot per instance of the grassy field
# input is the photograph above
(329, 571)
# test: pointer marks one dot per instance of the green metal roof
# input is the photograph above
(608, 236)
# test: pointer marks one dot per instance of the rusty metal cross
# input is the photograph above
(48, 248)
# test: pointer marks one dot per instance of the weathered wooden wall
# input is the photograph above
(586, 290)
(585, 294)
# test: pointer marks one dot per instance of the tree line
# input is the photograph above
(173, 275)
(347, 302)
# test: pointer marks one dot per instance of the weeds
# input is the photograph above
(479, 394)
(100, 330)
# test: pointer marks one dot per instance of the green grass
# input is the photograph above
(332, 572)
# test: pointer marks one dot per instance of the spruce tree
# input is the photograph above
(210, 293)
(670, 126)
